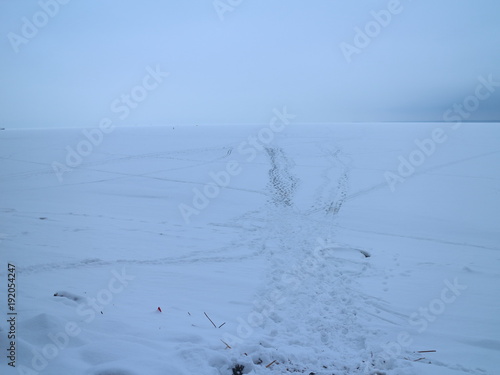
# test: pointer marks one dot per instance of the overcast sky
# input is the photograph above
(74, 64)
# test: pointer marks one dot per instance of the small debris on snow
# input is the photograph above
(68, 295)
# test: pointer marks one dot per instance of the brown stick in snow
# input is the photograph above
(225, 343)
(269, 365)
(209, 319)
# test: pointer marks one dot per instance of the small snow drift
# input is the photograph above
(68, 295)
(347, 253)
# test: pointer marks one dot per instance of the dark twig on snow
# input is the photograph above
(211, 321)
(270, 364)
(225, 343)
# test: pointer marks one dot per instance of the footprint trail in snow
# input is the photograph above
(308, 318)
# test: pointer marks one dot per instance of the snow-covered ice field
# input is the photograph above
(302, 254)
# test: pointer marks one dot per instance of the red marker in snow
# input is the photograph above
(159, 309)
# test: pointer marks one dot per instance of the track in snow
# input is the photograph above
(282, 184)
(309, 315)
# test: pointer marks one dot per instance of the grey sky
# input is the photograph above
(237, 66)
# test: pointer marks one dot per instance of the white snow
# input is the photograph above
(306, 261)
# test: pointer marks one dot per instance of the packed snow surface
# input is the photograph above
(292, 249)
